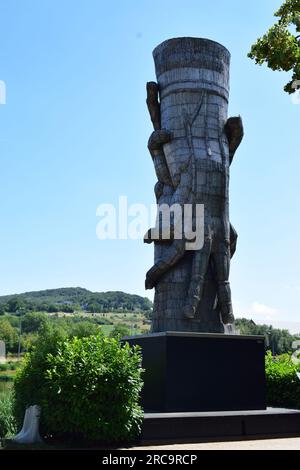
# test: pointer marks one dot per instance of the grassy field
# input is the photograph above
(136, 322)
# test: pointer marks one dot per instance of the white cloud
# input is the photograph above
(292, 326)
(264, 309)
(292, 287)
(287, 286)
(263, 312)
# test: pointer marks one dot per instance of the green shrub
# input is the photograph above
(87, 387)
(29, 380)
(13, 365)
(9, 366)
(283, 385)
(84, 328)
(119, 331)
(7, 420)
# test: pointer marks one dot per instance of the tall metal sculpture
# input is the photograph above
(192, 148)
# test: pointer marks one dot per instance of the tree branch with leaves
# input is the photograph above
(279, 48)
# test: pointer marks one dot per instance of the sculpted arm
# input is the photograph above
(234, 131)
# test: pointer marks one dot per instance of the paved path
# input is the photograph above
(267, 444)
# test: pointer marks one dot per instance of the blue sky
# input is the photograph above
(73, 135)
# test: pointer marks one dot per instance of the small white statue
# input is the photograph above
(29, 433)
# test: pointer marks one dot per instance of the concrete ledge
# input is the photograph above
(213, 426)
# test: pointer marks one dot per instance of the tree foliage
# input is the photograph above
(8, 333)
(279, 48)
(277, 341)
(33, 321)
(72, 299)
(119, 331)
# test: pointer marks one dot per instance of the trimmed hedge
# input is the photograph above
(283, 385)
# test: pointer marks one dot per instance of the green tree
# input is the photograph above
(279, 48)
(33, 321)
(94, 307)
(9, 334)
(84, 328)
(13, 319)
(277, 341)
(14, 304)
(28, 340)
(67, 309)
(52, 309)
(119, 331)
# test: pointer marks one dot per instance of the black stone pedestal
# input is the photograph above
(271, 423)
(195, 372)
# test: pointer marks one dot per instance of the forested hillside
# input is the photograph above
(70, 299)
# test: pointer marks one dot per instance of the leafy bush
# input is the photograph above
(283, 385)
(83, 328)
(14, 365)
(119, 331)
(30, 378)
(9, 366)
(9, 334)
(7, 420)
(87, 387)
